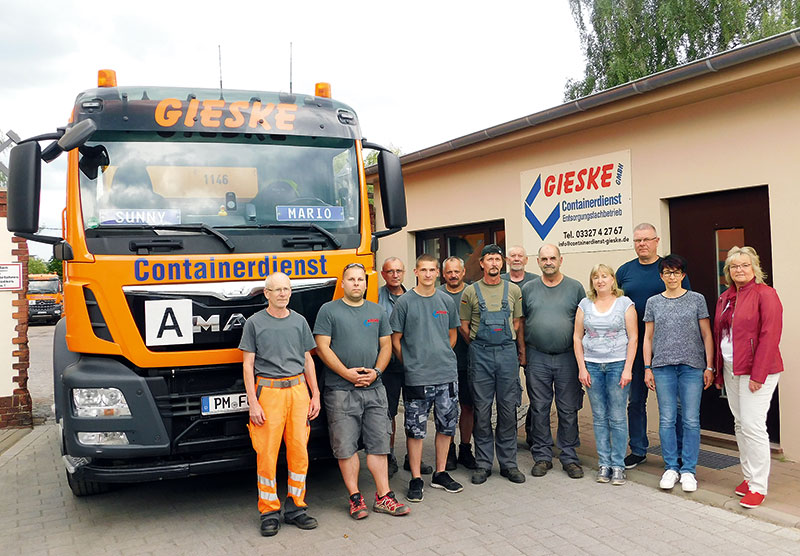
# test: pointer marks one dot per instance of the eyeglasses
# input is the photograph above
(279, 290)
(644, 240)
(671, 272)
(743, 266)
(354, 265)
(394, 271)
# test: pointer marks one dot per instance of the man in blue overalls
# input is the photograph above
(490, 314)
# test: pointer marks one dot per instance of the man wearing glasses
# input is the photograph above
(278, 374)
(640, 280)
(354, 341)
(393, 272)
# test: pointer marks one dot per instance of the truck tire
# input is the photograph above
(80, 487)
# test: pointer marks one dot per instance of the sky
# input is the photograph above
(417, 73)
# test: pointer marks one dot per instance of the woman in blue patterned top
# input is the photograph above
(678, 345)
(606, 332)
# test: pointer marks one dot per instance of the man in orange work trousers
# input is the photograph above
(278, 374)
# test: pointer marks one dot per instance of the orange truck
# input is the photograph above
(45, 297)
(179, 202)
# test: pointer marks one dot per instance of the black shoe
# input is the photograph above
(301, 521)
(269, 526)
(540, 468)
(465, 457)
(443, 480)
(480, 475)
(415, 487)
(424, 468)
(513, 474)
(574, 470)
(392, 465)
(452, 460)
(632, 460)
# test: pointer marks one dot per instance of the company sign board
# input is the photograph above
(581, 206)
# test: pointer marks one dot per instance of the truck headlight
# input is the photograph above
(102, 438)
(100, 402)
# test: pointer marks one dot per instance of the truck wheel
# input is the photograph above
(80, 487)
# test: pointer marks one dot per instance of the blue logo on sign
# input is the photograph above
(291, 213)
(542, 228)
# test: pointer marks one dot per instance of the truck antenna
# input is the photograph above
(219, 50)
(290, 68)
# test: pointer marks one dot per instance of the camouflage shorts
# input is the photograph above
(418, 400)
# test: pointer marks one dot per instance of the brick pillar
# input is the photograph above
(15, 410)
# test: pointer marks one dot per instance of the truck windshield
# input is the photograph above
(43, 286)
(245, 185)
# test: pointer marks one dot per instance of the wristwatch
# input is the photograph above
(378, 372)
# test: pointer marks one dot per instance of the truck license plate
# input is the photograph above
(223, 403)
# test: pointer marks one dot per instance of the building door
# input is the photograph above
(465, 242)
(702, 229)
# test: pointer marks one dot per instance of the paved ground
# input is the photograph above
(217, 514)
(40, 373)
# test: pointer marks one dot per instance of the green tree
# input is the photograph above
(36, 265)
(54, 266)
(624, 40)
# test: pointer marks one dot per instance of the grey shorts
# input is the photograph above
(418, 400)
(360, 413)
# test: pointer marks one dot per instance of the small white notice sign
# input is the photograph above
(168, 322)
(10, 276)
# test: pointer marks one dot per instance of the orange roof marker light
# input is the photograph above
(323, 90)
(106, 78)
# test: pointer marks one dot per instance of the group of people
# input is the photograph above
(456, 351)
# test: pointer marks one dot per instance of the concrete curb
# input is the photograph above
(707, 497)
(14, 450)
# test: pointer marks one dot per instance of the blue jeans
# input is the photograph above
(608, 402)
(637, 408)
(679, 384)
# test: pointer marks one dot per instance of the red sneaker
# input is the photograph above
(358, 509)
(388, 504)
(752, 499)
(742, 489)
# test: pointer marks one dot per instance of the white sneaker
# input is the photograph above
(668, 479)
(688, 482)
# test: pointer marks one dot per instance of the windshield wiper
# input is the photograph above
(205, 228)
(305, 226)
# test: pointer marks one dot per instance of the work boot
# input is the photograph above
(574, 470)
(270, 525)
(540, 468)
(465, 456)
(450, 465)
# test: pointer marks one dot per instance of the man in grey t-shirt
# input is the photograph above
(354, 341)
(424, 323)
(278, 374)
(549, 307)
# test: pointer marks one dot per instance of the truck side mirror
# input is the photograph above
(393, 191)
(24, 187)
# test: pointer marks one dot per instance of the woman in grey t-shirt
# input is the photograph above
(605, 344)
(677, 346)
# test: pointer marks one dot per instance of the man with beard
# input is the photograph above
(453, 273)
(490, 320)
(549, 306)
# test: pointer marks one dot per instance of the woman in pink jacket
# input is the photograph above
(747, 330)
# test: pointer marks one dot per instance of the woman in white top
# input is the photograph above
(605, 338)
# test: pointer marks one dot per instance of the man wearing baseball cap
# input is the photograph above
(490, 314)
